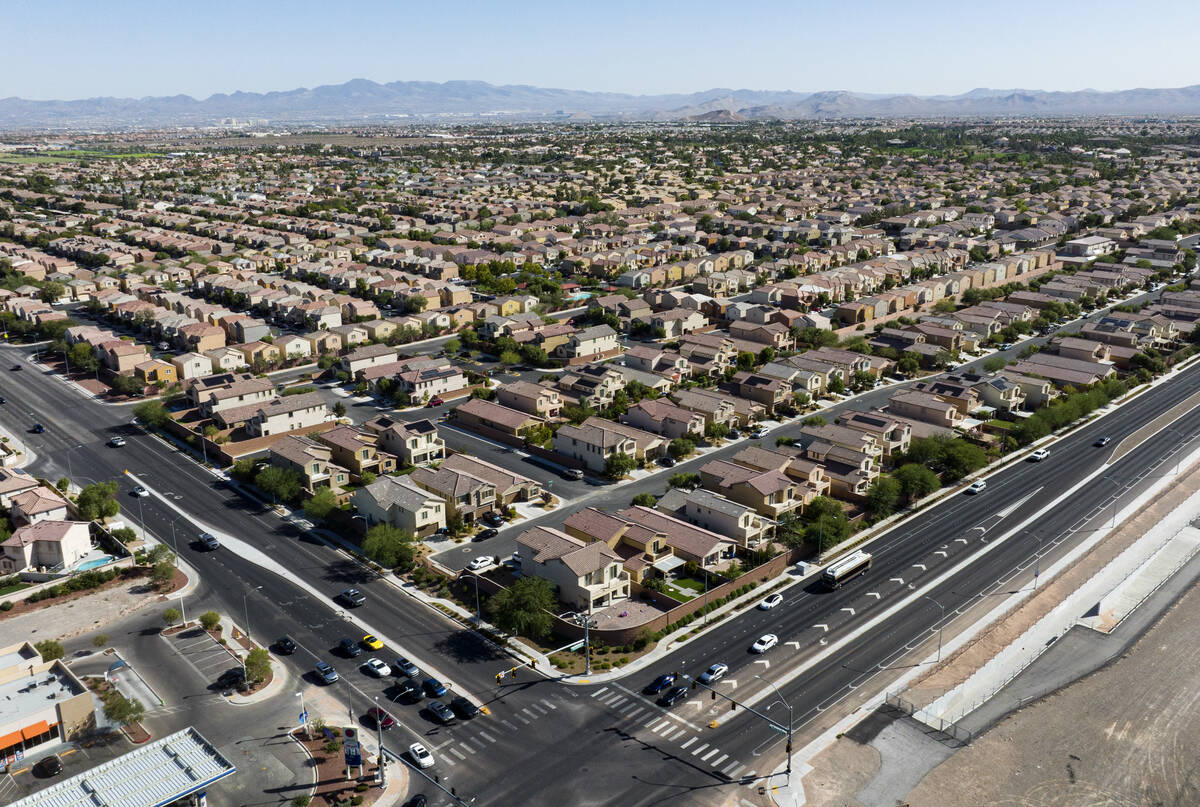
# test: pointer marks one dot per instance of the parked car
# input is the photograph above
(1102, 442)
(481, 562)
(492, 519)
(483, 535)
(661, 683)
(418, 800)
(463, 707)
(349, 647)
(233, 678)
(715, 672)
(1039, 455)
(380, 718)
(377, 668)
(434, 687)
(420, 755)
(405, 667)
(209, 541)
(352, 597)
(667, 461)
(372, 642)
(50, 766)
(325, 672)
(770, 602)
(441, 712)
(764, 643)
(674, 696)
(117, 441)
(977, 486)
(409, 691)
(572, 473)
(284, 646)
(435, 402)
(734, 434)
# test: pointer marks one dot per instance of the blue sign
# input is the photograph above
(303, 717)
(353, 753)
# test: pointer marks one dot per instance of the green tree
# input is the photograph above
(321, 503)
(162, 574)
(339, 409)
(525, 607)
(258, 665)
(122, 710)
(98, 501)
(283, 484)
(684, 480)
(452, 347)
(916, 481)
(100, 640)
(681, 447)
(50, 649)
(826, 522)
(52, 292)
(908, 365)
(152, 413)
(81, 357)
(510, 357)
(836, 385)
(883, 497)
(716, 431)
(618, 465)
(209, 620)
(994, 363)
(389, 546)
(170, 616)
(644, 500)
(127, 385)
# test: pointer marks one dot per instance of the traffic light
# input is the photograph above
(714, 694)
(499, 678)
(733, 706)
(533, 664)
(513, 672)
(789, 746)
(693, 685)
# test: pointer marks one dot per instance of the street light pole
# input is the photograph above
(478, 615)
(246, 613)
(941, 626)
(382, 757)
(303, 713)
(789, 730)
(182, 610)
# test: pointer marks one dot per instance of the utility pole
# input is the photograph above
(382, 757)
(940, 624)
(789, 726)
(246, 613)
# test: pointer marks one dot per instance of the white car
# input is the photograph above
(479, 563)
(715, 672)
(116, 442)
(770, 602)
(1039, 455)
(140, 492)
(420, 755)
(377, 668)
(977, 486)
(764, 643)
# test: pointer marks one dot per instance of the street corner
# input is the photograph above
(281, 679)
(273, 768)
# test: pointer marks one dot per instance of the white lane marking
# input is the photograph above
(920, 566)
(733, 768)
(794, 644)
(458, 754)
(763, 662)
(899, 580)
(548, 704)
(637, 710)
(822, 627)
(874, 594)
(487, 736)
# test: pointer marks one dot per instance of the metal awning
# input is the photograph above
(669, 564)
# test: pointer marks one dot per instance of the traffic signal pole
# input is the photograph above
(734, 704)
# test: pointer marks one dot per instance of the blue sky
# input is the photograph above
(131, 48)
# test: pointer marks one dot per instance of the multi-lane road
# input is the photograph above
(547, 742)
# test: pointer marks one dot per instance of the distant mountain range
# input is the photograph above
(366, 101)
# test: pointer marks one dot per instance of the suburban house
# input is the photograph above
(468, 495)
(192, 365)
(37, 504)
(592, 445)
(401, 502)
(531, 398)
(425, 383)
(277, 416)
(357, 450)
(587, 576)
(216, 393)
(771, 493)
(926, 407)
(716, 513)
(310, 459)
(594, 342)
(367, 356)
(45, 544)
(477, 413)
(665, 418)
(510, 487)
(415, 443)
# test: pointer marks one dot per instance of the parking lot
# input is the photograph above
(203, 654)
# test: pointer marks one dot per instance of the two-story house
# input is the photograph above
(588, 576)
(401, 502)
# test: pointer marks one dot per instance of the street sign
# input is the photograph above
(576, 647)
(780, 729)
(304, 717)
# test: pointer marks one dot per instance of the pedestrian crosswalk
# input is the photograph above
(636, 712)
(672, 728)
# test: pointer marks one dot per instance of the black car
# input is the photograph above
(463, 707)
(674, 696)
(1102, 442)
(209, 541)
(15, 367)
(734, 434)
(349, 648)
(38, 428)
(409, 691)
(490, 532)
(352, 597)
(441, 712)
(284, 646)
(662, 682)
(50, 766)
(233, 678)
(2, 400)
(666, 462)
(418, 800)
(492, 519)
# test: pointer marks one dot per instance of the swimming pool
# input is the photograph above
(94, 562)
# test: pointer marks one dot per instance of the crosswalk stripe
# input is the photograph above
(614, 703)
(538, 708)
(487, 736)
(466, 748)
(457, 753)
(733, 768)
(689, 742)
(650, 723)
(677, 734)
(749, 775)
(599, 692)
(634, 710)
(698, 750)
(719, 760)
(664, 728)
(709, 754)
(510, 725)
(529, 714)
(549, 705)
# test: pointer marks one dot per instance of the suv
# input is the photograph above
(349, 648)
(573, 473)
(284, 646)
(1039, 455)
(325, 672)
(352, 597)
(209, 541)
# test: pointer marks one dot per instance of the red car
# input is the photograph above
(435, 402)
(380, 718)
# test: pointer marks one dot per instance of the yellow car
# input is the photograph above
(372, 642)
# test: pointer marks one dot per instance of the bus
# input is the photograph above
(851, 566)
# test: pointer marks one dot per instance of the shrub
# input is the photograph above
(6, 606)
(50, 649)
(301, 801)
(332, 747)
(100, 640)
(170, 616)
(209, 620)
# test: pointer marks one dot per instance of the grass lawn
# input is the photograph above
(1000, 424)
(14, 587)
(690, 583)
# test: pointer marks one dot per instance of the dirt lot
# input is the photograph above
(1124, 736)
